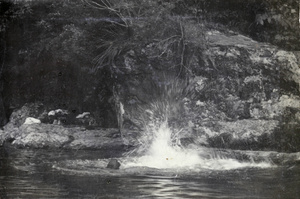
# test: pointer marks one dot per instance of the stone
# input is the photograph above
(51, 113)
(57, 116)
(41, 135)
(85, 119)
(32, 120)
(113, 164)
(83, 115)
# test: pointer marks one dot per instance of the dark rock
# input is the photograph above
(113, 164)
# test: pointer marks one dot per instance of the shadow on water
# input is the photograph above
(30, 174)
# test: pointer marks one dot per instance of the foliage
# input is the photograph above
(282, 13)
(137, 24)
(52, 49)
(283, 17)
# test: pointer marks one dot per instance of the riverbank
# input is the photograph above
(262, 135)
(72, 137)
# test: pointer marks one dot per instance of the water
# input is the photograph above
(37, 174)
(164, 171)
(165, 152)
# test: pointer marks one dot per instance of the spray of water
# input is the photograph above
(164, 152)
(164, 122)
(161, 149)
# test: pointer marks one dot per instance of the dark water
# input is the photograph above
(30, 174)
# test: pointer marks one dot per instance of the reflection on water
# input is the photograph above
(32, 174)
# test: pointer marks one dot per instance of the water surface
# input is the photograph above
(49, 174)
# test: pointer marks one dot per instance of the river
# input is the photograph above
(59, 173)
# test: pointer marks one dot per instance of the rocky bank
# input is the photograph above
(215, 84)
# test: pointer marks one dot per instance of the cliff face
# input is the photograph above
(232, 89)
(179, 60)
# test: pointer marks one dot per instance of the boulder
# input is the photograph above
(41, 136)
(31, 120)
(113, 164)
(250, 134)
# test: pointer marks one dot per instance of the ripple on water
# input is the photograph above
(133, 166)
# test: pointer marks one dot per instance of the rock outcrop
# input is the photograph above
(241, 93)
(58, 136)
(215, 86)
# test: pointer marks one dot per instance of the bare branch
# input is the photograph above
(106, 5)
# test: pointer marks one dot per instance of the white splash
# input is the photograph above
(162, 154)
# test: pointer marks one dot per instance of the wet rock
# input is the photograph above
(245, 134)
(94, 139)
(113, 164)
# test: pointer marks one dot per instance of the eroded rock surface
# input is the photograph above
(57, 136)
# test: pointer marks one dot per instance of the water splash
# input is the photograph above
(164, 121)
(165, 153)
